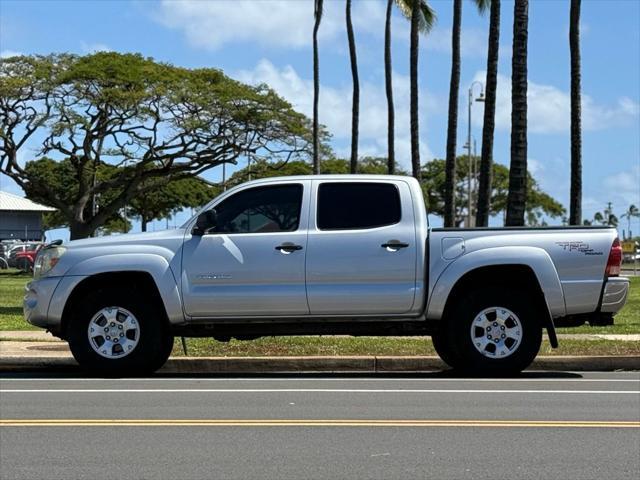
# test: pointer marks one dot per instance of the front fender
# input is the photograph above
(535, 258)
(155, 265)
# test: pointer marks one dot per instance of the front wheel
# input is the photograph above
(118, 332)
(494, 331)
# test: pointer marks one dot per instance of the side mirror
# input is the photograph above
(206, 221)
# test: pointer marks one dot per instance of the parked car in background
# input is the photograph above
(21, 248)
(26, 259)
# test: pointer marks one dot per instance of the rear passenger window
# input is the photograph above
(343, 206)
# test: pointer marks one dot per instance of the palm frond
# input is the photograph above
(483, 5)
(427, 18)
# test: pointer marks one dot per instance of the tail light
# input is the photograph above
(615, 259)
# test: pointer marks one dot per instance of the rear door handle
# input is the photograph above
(394, 244)
(288, 247)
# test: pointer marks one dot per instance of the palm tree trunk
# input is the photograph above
(575, 202)
(517, 196)
(486, 160)
(316, 87)
(355, 106)
(413, 60)
(452, 126)
(391, 156)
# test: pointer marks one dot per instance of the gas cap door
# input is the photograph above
(452, 247)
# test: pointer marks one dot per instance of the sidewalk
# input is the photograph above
(25, 350)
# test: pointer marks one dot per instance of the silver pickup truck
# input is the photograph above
(347, 255)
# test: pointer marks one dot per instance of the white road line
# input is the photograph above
(312, 379)
(319, 390)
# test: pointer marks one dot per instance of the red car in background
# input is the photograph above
(25, 260)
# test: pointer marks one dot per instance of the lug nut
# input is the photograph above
(502, 327)
(108, 337)
(495, 324)
(489, 337)
(122, 334)
(496, 340)
(115, 340)
(113, 324)
(119, 327)
(488, 329)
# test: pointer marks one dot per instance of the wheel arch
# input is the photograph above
(137, 280)
(500, 265)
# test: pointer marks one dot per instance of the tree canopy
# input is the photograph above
(158, 123)
(539, 204)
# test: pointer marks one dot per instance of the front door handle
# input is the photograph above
(394, 244)
(288, 247)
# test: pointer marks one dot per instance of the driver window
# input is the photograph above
(261, 210)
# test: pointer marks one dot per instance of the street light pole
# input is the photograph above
(479, 99)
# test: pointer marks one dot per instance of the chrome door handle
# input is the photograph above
(394, 244)
(288, 247)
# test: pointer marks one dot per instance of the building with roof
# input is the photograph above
(20, 218)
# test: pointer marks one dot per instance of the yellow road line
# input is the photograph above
(313, 423)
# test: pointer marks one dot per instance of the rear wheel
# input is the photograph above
(494, 331)
(118, 332)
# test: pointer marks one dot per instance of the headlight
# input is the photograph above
(47, 259)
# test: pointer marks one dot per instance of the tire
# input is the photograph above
(24, 265)
(494, 331)
(139, 340)
(443, 347)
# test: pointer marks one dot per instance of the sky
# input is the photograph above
(269, 41)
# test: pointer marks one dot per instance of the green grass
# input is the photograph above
(378, 346)
(12, 284)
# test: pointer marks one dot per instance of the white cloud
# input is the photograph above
(9, 53)
(94, 47)
(278, 23)
(549, 109)
(624, 186)
(473, 42)
(335, 108)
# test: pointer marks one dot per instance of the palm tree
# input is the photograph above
(418, 24)
(484, 188)
(575, 202)
(517, 197)
(452, 125)
(355, 106)
(426, 22)
(391, 121)
(317, 14)
(631, 212)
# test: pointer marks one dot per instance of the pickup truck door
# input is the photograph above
(361, 254)
(253, 262)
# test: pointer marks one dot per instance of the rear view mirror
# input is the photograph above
(205, 222)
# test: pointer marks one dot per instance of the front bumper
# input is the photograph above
(36, 301)
(615, 294)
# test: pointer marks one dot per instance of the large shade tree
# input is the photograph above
(489, 121)
(539, 207)
(158, 122)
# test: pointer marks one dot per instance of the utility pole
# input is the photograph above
(468, 145)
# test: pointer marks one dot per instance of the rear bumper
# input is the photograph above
(615, 294)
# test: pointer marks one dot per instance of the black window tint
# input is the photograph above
(261, 209)
(357, 205)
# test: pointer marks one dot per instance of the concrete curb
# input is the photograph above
(362, 364)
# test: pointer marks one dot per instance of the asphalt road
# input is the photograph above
(547, 425)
